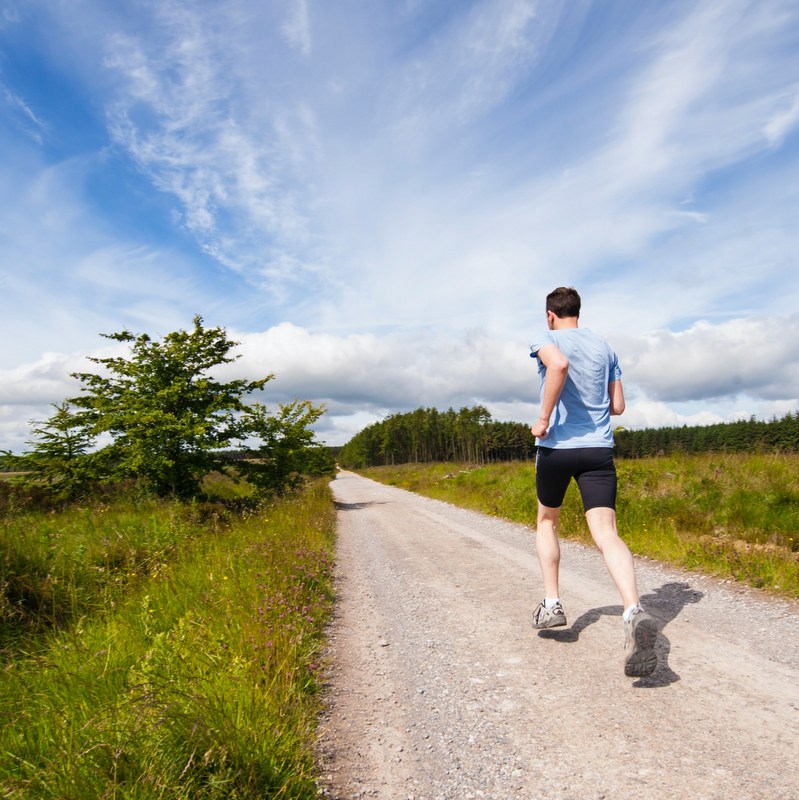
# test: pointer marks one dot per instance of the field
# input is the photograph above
(733, 516)
(156, 649)
(152, 649)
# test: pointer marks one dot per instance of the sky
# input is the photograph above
(374, 198)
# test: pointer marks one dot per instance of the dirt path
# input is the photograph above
(441, 690)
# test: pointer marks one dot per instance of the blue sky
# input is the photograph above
(374, 198)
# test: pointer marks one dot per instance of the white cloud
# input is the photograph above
(392, 371)
(297, 28)
(756, 356)
(43, 382)
(363, 378)
(425, 171)
(181, 110)
(441, 240)
(491, 48)
(783, 121)
(15, 425)
(66, 278)
(645, 413)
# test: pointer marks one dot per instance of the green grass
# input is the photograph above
(732, 516)
(184, 667)
(59, 566)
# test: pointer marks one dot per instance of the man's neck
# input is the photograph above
(562, 323)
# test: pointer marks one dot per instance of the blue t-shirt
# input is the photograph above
(582, 415)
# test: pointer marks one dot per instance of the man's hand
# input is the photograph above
(539, 429)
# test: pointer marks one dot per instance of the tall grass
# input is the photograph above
(193, 676)
(733, 516)
(59, 566)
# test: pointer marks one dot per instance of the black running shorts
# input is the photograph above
(591, 467)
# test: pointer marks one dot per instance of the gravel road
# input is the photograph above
(439, 689)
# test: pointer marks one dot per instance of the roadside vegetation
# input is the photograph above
(730, 515)
(166, 548)
(154, 648)
(165, 581)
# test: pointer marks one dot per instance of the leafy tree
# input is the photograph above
(169, 420)
(287, 450)
(165, 414)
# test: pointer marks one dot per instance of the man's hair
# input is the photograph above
(564, 302)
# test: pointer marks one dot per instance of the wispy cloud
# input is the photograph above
(472, 64)
(297, 27)
(65, 278)
(784, 120)
(183, 119)
(26, 118)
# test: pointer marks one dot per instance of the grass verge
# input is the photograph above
(731, 516)
(193, 680)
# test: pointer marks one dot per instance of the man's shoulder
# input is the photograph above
(541, 338)
(589, 335)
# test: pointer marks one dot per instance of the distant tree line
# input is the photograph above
(752, 435)
(468, 435)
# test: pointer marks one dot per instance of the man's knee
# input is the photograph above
(547, 514)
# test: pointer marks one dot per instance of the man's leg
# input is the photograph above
(549, 613)
(617, 556)
(547, 547)
(640, 630)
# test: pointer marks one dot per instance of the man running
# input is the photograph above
(580, 390)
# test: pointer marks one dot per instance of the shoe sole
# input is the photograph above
(559, 624)
(643, 659)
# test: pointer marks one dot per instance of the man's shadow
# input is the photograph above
(356, 506)
(664, 604)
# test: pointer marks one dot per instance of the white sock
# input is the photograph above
(629, 611)
(551, 602)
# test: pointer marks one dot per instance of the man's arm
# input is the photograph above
(616, 398)
(557, 366)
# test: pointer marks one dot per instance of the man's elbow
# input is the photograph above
(560, 365)
(617, 409)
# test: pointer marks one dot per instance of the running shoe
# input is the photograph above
(640, 632)
(544, 617)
